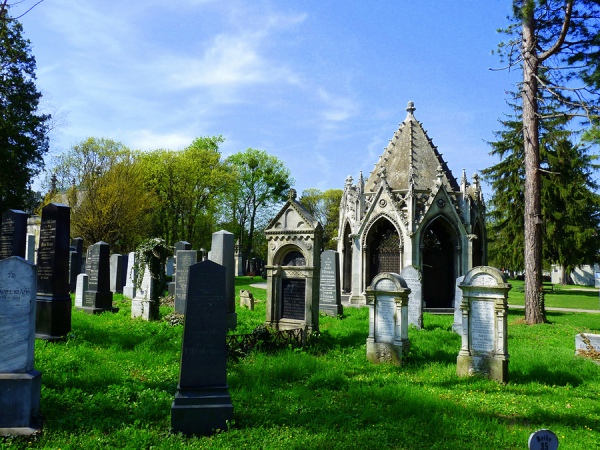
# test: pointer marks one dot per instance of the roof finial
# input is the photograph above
(411, 109)
(292, 194)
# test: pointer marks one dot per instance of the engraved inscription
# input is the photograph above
(482, 326)
(293, 298)
(384, 321)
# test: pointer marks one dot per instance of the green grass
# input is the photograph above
(578, 297)
(111, 384)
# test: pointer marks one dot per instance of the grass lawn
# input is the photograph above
(111, 384)
(578, 297)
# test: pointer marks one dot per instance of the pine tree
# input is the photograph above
(23, 129)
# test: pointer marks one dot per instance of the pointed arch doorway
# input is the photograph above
(347, 261)
(383, 248)
(439, 264)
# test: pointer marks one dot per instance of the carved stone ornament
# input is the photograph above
(382, 203)
(441, 203)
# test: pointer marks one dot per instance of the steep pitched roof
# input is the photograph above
(410, 155)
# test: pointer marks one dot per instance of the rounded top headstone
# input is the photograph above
(543, 440)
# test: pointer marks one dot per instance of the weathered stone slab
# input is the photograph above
(412, 276)
(587, 342)
(185, 259)
(246, 299)
(129, 288)
(458, 296)
(30, 248)
(117, 270)
(222, 252)
(81, 286)
(202, 402)
(140, 304)
(330, 296)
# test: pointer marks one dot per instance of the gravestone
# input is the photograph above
(81, 286)
(246, 299)
(98, 298)
(20, 383)
(543, 440)
(13, 234)
(458, 295)
(387, 298)
(185, 258)
(222, 252)
(180, 245)
(75, 262)
(53, 308)
(202, 402)
(129, 288)
(239, 260)
(170, 266)
(330, 296)
(118, 266)
(412, 276)
(141, 303)
(587, 343)
(30, 248)
(484, 325)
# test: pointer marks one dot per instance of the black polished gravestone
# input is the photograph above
(98, 298)
(13, 234)
(76, 257)
(53, 304)
(185, 259)
(202, 402)
(293, 298)
(330, 297)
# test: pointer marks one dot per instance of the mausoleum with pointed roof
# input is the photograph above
(411, 211)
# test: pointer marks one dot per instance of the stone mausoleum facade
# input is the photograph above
(411, 211)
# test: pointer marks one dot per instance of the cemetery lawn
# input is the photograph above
(111, 384)
(559, 296)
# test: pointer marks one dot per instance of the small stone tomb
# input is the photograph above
(543, 440)
(387, 298)
(129, 288)
(13, 234)
(222, 252)
(81, 286)
(484, 348)
(53, 308)
(246, 299)
(587, 344)
(20, 383)
(141, 303)
(185, 258)
(330, 296)
(202, 402)
(98, 298)
(412, 276)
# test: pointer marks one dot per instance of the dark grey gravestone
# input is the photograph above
(330, 297)
(202, 402)
(53, 307)
(185, 258)
(222, 252)
(117, 269)
(98, 298)
(412, 277)
(293, 299)
(13, 234)
(75, 262)
(20, 383)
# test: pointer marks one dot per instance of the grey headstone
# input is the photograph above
(458, 296)
(330, 296)
(202, 402)
(98, 298)
(81, 286)
(129, 288)
(30, 248)
(117, 264)
(412, 277)
(13, 234)
(75, 262)
(185, 258)
(169, 267)
(221, 252)
(247, 299)
(582, 346)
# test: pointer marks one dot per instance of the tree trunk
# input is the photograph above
(534, 295)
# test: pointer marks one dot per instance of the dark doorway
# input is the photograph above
(438, 265)
(383, 246)
(347, 261)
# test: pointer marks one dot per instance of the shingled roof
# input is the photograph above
(410, 155)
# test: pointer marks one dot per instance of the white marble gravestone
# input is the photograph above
(129, 288)
(484, 324)
(412, 276)
(140, 304)
(20, 383)
(458, 295)
(387, 298)
(81, 286)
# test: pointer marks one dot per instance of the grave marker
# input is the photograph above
(141, 303)
(81, 286)
(98, 298)
(13, 234)
(75, 262)
(129, 288)
(222, 252)
(412, 276)
(202, 402)
(330, 296)
(118, 265)
(30, 248)
(185, 259)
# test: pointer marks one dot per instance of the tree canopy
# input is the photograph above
(325, 207)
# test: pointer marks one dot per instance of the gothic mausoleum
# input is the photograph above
(411, 211)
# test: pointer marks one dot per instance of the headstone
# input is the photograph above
(141, 303)
(117, 269)
(129, 288)
(412, 276)
(458, 295)
(20, 383)
(543, 440)
(13, 234)
(169, 267)
(330, 296)
(98, 298)
(185, 258)
(239, 260)
(221, 252)
(75, 262)
(81, 286)
(30, 248)
(484, 325)
(587, 343)
(53, 308)
(202, 403)
(246, 299)
(387, 298)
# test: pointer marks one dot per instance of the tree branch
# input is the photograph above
(563, 33)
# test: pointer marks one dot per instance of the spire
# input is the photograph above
(410, 108)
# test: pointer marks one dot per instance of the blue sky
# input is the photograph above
(320, 84)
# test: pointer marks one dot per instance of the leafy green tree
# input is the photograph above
(325, 207)
(23, 129)
(189, 186)
(262, 182)
(546, 36)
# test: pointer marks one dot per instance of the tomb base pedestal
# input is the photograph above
(52, 316)
(495, 368)
(20, 402)
(146, 309)
(331, 309)
(382, 352)
(201, 411)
